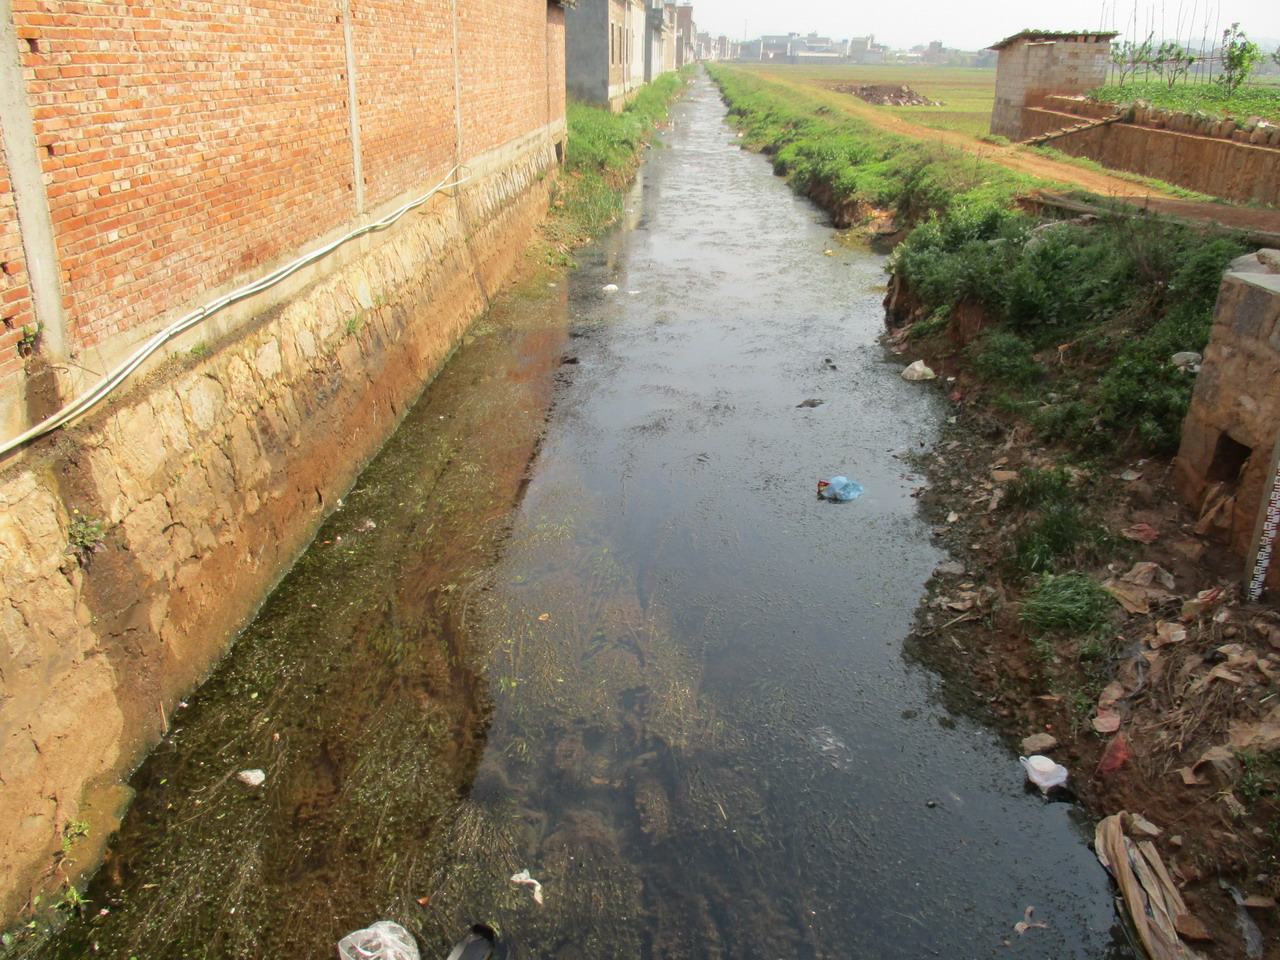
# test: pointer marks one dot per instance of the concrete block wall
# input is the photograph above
(1028, 71)
(1225, 463)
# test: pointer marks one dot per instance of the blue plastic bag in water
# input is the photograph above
(839, 489)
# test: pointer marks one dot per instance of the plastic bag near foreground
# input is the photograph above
(839, 489)
(382, 941)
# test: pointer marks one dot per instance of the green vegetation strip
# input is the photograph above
(1206, 98)
(846, 163)
(603, 151)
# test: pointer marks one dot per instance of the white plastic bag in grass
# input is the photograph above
(382, 941)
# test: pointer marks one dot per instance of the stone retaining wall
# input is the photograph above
(134, 545)
(1218, 157)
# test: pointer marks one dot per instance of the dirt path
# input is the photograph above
(1015, 158)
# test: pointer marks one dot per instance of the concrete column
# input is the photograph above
(353, 105)
(26, 177)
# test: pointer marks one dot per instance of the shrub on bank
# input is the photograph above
(1110, 302)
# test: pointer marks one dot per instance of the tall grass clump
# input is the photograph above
(1069, 603)
(603, 150)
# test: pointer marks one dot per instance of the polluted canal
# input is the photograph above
(669, 685)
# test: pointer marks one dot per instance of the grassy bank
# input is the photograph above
(1082, 319)
(851, 167)
(601, 156)
(1253, 100)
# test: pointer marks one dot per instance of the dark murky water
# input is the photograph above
(698, 732)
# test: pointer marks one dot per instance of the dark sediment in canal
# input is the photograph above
(670, 686)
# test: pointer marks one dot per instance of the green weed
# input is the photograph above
(1037, 488)
(1255, 780)
(1003, 357)
(85, 534)
(1068, 603)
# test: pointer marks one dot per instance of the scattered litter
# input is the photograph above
(1188, 361)
(1249, 932)
(1106, 721)
(1026, 923)
(523, 877)
(1043, 772)
(1262, 735)
(952, 517)
(1130, 475)
(479, 944)
(1142, 532)
(1137, 823)
(1167, 632)
(1039, 743)
(1111, 694)
(382, 941)
(544, 617)
(1115, 755)
(840, 489)
(366, 527)
(811, 402)
(1140, 587)
(609, 287)
(1205, 600)
(254, 778)
(1149, 895)
(633, 293)
(918, 371)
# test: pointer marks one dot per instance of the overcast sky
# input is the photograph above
(971, 26)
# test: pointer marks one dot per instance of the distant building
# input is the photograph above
(1035, 64)
(660, 46)
(605, 51)
(686, 35)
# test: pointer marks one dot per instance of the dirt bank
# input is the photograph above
(1171, 714)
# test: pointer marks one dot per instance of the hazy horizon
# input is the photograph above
(909, 23)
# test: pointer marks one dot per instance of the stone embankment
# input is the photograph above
(1236, 160)
(134, 544)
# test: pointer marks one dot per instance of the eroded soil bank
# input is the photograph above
(1167, 714)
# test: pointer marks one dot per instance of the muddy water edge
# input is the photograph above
(669, 684)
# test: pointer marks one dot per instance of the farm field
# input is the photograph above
(966, 93)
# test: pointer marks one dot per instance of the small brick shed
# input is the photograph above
(1035, 64)
(1226, 463)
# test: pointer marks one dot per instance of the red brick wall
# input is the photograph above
(555, 61)
(404, 70)
(504, 70)
(15, 299)
(188, 142)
